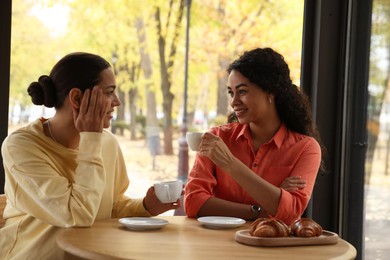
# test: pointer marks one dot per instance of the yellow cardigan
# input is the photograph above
(50, 187)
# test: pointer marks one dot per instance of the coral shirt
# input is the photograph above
(287, 154)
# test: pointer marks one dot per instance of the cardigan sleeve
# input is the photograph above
(123, 205)
(44, 192)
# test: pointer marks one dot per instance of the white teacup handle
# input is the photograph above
(166, 189)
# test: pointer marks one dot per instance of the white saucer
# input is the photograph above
(221, 222)
(138, 223)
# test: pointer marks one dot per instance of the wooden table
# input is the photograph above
(182, 238)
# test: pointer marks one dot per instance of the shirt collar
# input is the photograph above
(244, 132)
(280, 134)
(277, 138)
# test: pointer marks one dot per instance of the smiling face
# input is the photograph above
(250, 103)
(108, 85)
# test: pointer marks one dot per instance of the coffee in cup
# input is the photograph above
(168, 191)
(193, 140)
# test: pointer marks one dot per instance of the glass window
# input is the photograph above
(377, 176)
(131, 36)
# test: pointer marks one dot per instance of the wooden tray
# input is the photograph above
(327, 238)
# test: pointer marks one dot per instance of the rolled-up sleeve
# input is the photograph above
(292, 204)
(199, 188)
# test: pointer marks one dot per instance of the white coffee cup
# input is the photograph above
(168, 191)
(193, 140)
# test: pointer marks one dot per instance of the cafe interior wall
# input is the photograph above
(335, 75)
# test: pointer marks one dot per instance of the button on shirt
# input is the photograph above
(287, 154)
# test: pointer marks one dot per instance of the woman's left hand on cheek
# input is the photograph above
(93, 108)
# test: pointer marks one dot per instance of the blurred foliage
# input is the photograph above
(219, 120)
(218, 29)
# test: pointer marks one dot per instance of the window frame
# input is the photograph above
(335, 60)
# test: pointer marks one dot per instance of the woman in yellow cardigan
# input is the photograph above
(67, 171)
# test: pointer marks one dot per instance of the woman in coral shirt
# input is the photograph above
(266, 163)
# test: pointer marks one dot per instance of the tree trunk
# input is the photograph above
(121, 109)
(222, 96)
(146, 66)
(166, 68)
(133, 94)
(167, 127)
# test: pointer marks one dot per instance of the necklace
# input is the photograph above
(50, 132)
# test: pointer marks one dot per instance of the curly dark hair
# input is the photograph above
(75, 70)
(268, 70)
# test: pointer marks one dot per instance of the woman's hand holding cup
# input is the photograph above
(163, 196)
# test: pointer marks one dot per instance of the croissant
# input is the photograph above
(306, 227)
(269, 227)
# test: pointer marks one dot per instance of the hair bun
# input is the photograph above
(42, 92)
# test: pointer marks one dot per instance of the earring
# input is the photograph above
(270, 100)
